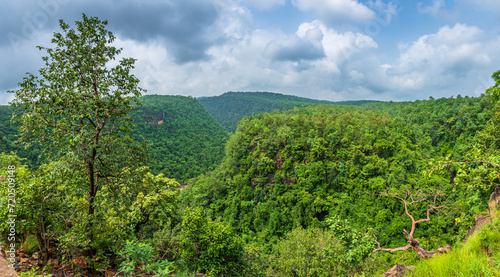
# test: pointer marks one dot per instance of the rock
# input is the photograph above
(397, 270)
(80, 261)
(481, 220)
(2, 250)
(54, 262)
(36, 255)
(494, 203)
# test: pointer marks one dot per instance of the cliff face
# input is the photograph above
(494, 203)
(485, 219)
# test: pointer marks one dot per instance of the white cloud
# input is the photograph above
(306, 44)
(265, 4)
(433, 9)
(449, 62)
(485, 5)
(439, 59)
(336, 11)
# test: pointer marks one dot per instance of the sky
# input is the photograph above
(334, 50)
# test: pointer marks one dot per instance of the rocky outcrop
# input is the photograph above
(398, 270)
(485, 219)
(494, 203)
(481, 220)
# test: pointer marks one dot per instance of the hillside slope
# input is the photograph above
(186, 140)
(229, 108)
(298, 167)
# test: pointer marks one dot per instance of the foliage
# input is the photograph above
(30, 244)
(80, 106)
(32, 273)
(52, 206)
(138, 255)
(494, 91)
(210, 246)
(186, 140)
(298, 167)
(356, 246)
(307, 252)
(8, 136)
(479, 256)
(231, 107)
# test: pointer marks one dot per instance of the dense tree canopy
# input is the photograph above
(231, 107)
(80, 106)
(185, 140)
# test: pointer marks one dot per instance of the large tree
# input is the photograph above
(80, 104)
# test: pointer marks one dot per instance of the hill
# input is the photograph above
(229, 108)
(186, 140)
(303, 168)
(8, 136)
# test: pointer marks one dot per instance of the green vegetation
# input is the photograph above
(479, 256)
(186, 140)
(310, 189)
(79, 107)
(229, 108)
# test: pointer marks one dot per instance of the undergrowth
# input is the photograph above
(479, 256)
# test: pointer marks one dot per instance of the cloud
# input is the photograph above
(187, 26)
(305, 45)
(452, 61)
(484, 5)
(265, 4)
(337, 11)
(207, 47)
(442, 58)
(433, 9)
(25, 58)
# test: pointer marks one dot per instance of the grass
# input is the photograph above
(479, 256)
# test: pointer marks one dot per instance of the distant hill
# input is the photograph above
(8, 135)
(186, 140)
(229, 108)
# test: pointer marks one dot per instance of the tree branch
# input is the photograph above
(419, 197)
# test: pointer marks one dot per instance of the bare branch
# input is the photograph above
(417, 197)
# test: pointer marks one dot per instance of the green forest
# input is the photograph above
(230, 107)
(100, 178)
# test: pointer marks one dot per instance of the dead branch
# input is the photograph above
(434, 200)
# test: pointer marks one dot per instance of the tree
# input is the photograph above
(495, 90)
(80, 104)
(210, 246)
(409, 198)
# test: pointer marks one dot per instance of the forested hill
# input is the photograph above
(8, 135)
(186, 140)
(296, 169)
(229, 108)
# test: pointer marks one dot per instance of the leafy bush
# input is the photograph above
(306, 252)
(139, 257)
(210, 246)
(356, 245)
(30, 245)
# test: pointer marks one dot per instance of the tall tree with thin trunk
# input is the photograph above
(80, 103)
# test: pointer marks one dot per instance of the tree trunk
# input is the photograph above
(415, 244)
(92, 192)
